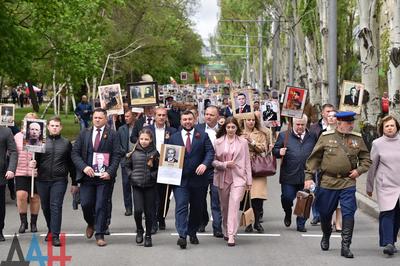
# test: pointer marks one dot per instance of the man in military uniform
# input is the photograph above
(342, 156)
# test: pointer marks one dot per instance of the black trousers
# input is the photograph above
(160, 202)
(144, 200)
(2, 206)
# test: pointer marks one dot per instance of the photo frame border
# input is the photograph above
(139, 102)
(13, 115)
(347, 107)
(250, 101)
(293, 113)
(112, 111)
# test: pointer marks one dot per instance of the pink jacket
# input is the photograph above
(24, 157)
(242, 172)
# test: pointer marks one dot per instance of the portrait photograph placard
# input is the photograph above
(34, 135)
(171, 164)
(111, 99)
(270, 113)
(7, 114)
(143, 93)
(351, 96)
(100, 162)
(293, 102)
(242, 103)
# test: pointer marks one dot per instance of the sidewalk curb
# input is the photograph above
(367, 205)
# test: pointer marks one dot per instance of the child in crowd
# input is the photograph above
(142, 167)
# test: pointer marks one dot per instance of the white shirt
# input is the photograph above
(160, 134)
(324, 124)
(212, 133)
(95, 133)
(184, 136)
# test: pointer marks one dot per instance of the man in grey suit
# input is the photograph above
(7, 145)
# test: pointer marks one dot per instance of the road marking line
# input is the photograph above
(257, 235)
(308, 235)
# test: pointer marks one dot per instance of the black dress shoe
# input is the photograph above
(139, 236)
(202, 228)
(194, 240)
(301, 229)
(315, 221)
(389, 249)
(288, 219)
(2, 238)
(107, 231)
(249, 228)
(128, 212)
(56, 242)
(147, 242)
(218, 234)
(182, 242)
(259, 228)
(154, 228)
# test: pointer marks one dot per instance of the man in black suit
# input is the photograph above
(146, 120)
(352, 98)
(7, 146)
(124, 133)
(199, 154)
(226, 111)
(94, 190)
(211, 127)
(174, 116)
(162, 133)
(243, 106)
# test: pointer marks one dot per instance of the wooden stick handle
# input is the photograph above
(166, 200)
(33, 177)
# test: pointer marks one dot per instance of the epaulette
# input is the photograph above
(356, 134)
(328, 132)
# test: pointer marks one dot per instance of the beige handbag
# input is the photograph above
(247, 217)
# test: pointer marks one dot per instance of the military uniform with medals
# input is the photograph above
(336, 154)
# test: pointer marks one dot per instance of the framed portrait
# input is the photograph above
(294, 101)
(100, 162)
(242, 102)
(7, 115)
(351, 96)
(35, 135)
(111, 99)
(171, 164)
(143, 93)
(270, 113)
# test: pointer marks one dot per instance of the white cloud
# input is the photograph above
(206, 19)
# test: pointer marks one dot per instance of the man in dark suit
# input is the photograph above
(211, 127)
(199, 154)
(162, 133)
(243, 106)
(174, 116)
(146, 120)
(352, 98)
(94, 190)
(226, 111)
(124, 133)
(7, 146)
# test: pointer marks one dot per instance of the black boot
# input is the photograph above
(33, 223)
(2, 238)
(139, 236)
(147, 241)
(257, 208)
(24, 223)
(326, 234)
(139, 227)
(347, 234)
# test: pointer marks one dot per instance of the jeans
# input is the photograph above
(51, 198)
(288, 195)
(83, 124)
(389, 223)
(94, 197)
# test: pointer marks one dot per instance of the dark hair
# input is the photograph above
(328, 105)
(297, 92)
(222, 131)
(242, 94)
(146, 131)
(55, 118)
(187, 112)
(386, 119)
(100, 110)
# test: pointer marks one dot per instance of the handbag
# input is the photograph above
(247, 217)
(304, 201)
(262, 166)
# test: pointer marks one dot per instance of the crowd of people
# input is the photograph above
(327, 155)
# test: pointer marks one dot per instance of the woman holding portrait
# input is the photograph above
(385, 169)
(232, 174)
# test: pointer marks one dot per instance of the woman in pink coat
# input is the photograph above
(232, 174)
(385, 169)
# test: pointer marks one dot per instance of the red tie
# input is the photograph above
(241, 109)
(188, 144)
(97, 140)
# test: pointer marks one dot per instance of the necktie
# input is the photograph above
(188, 145)
(241, 109)
(97, 140)
(149, 120)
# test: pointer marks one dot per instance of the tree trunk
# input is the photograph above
(301, 50)
(394, 62)
(54, 91)
(323, 62)
(312, 66)
(368, 38)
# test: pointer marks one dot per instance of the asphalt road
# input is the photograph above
(277, 246)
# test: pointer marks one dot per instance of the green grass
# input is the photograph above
(70, 127)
